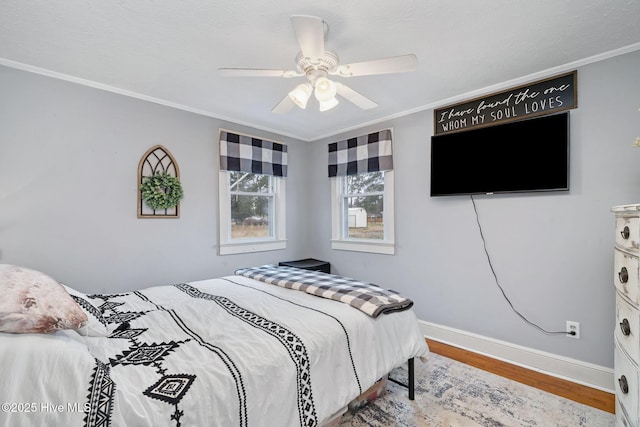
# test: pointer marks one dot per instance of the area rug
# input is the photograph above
(452, 394)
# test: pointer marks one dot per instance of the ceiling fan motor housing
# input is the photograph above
(327, 64)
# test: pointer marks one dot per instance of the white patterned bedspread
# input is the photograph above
(229, 351)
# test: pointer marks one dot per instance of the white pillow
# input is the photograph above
(96, 326)
(32, 302)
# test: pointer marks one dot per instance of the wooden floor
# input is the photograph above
(576, 392)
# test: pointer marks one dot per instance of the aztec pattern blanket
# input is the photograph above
(366, 297)
(228, 351)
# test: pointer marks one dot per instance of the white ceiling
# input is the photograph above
(169, 51)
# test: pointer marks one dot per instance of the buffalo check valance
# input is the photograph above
(243, 153)
(366, 153)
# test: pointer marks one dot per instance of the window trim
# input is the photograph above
(341, 242)
(229, 246)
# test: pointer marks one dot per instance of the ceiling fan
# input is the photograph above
(316, 64)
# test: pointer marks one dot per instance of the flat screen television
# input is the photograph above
(523, 156)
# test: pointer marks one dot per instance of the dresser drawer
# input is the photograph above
(626, 374)
(627, 327)
(625, 275)
(628, 233)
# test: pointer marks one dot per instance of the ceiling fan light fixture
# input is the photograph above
(325, 89)
(316, 64)
(301, 94)
(328, 104)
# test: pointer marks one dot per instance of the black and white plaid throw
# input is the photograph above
(244, 153)
(366, 297)
(366, 153)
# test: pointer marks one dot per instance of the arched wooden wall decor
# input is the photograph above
(156, 159)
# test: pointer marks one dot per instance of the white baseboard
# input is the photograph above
(577, 371)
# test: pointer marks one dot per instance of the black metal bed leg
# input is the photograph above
(411, 380)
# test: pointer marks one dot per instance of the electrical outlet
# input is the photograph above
(573, 329)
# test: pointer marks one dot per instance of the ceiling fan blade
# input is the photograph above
(283, 106)
(396, 64)
(256, 72)
(356, 98)
(310, 33)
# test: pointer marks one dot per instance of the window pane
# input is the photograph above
(251, 216)
(249, 182)
(365, 217)
(365, 182)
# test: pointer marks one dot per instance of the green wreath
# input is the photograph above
(161, 191)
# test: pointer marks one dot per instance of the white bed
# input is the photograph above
(230, 351)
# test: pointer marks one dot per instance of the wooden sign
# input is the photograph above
(533, 99)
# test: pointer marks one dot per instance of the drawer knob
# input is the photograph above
(625, 232)
(623, 275)
(624, 386)
(626, 328)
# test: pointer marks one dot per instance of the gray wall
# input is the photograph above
(68, 174)
(68, 164)
(553, 252)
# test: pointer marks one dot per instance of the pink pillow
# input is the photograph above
(32, 302)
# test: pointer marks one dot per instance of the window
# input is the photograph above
(252, 195)
(362, 206)
(252, 212)
(251, 205)
(361, 172)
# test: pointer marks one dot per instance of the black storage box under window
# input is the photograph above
(308, 264)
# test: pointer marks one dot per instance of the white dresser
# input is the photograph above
(627, 329)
